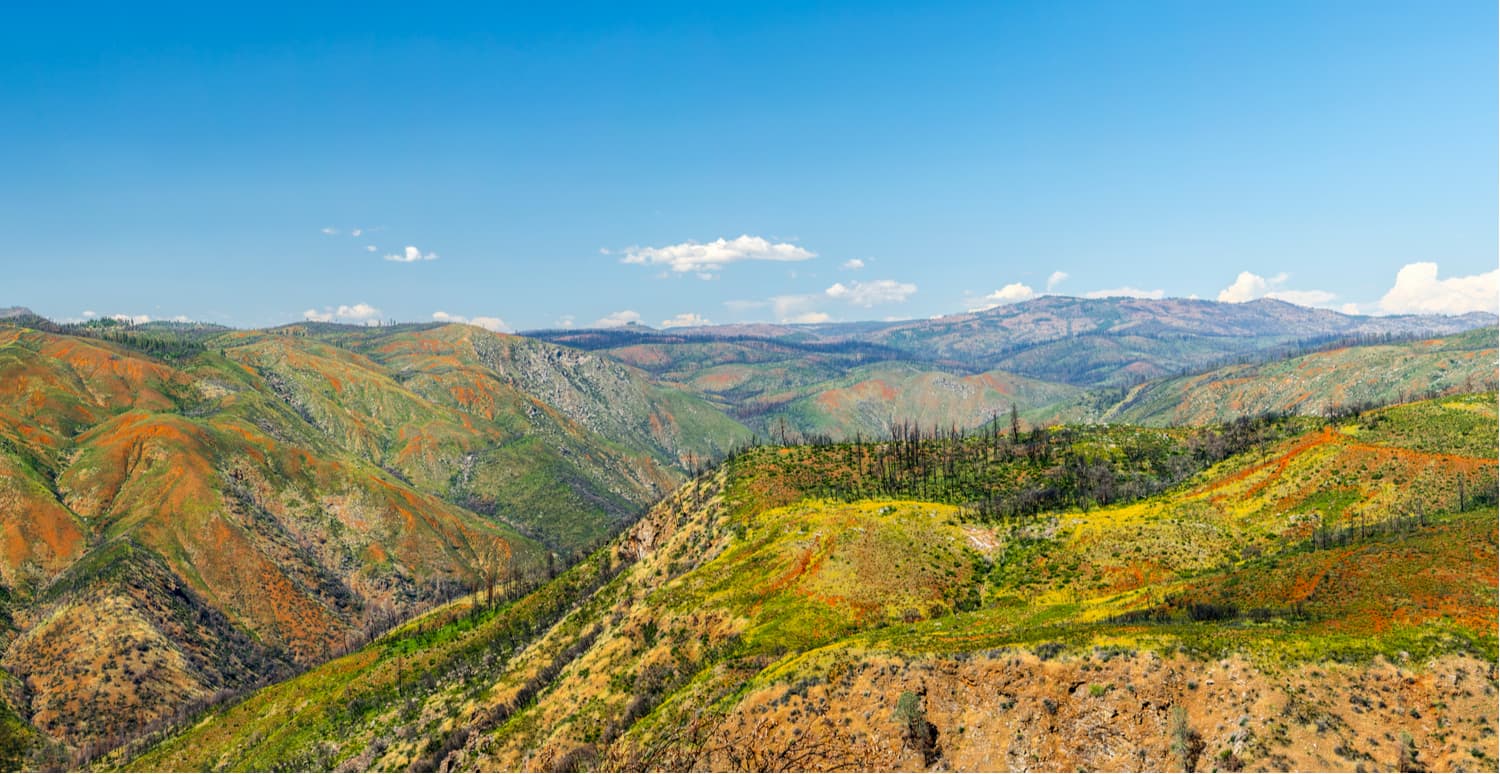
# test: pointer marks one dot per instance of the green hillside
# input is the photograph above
(189, 512)
(1321, 598)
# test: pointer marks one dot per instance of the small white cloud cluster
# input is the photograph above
(853, 264)
(1126, 292)
(488, 323)
(411, 255)
(800, 308)
(1010, 294)
(1249, 286)
(618, 319)
(1014, 293)
(358, 313)
(686, 320)
(709, 257)
(868, 294)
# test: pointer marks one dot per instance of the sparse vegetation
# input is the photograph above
(743, 605)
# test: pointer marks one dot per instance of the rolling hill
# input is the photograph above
(1078, 341)
(190, 511)
(1054, 358)
(1321, 597)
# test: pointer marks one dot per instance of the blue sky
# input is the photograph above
(550, 165)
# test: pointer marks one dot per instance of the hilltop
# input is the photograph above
(1321, 597)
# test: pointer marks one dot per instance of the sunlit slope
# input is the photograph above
(597, 393)
(160, 547)
(177, 528)
(870, 400)
(559, 443)
(1313, 383)
(745, 624)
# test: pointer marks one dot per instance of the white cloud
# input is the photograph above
(1055, 279)
(330, 231)
(356, 232)
(1303, 297)
(131, 319)
(371, 248)
(488, 323)
(359, 313)
(1249, 286)
(617, 319)
(1010, 294)
(566, 321)
(412, 255)
(1125, 292)
(710, 257)
(868, 294)
(1419, 291)
(854, 264)
(89, 314)
(181, 318)
(1350, 308)
(793, 308)
(686, 319)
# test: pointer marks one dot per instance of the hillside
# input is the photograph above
(1311, 383)
(852, 379)
(869, 400)
(190, 511)
(1321, 598)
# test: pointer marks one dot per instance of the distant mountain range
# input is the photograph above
(1073, 340)
(1051, 357)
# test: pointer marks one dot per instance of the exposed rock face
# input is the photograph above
(1128, 712)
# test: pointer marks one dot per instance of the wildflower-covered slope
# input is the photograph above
(1321, 598)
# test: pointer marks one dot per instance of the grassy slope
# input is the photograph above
(867, 400)
(738, 600)
(157, 514)
(287, 492)
(563, 445)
